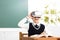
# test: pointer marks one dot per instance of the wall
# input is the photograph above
(11, 12)
(9, 35)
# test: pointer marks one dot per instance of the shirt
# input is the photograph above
(24, 23)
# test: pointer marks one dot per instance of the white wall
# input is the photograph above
(10, 33)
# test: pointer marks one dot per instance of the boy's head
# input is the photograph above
(36, 15)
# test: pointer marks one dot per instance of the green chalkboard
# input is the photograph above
(11, 12)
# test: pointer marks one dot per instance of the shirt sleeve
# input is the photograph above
(24, 23)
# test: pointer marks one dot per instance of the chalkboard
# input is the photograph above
(11, 12)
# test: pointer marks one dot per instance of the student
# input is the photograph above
(33, 24)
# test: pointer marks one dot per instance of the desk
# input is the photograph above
(41, 38)
(49, 38)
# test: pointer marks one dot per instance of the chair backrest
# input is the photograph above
(21, 35)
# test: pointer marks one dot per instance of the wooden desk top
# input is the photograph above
(49, 38)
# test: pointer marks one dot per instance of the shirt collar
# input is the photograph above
(37, 24)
